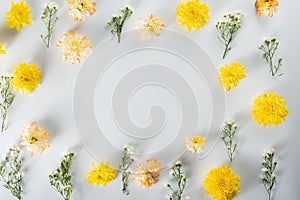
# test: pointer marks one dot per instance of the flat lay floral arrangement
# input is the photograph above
(221, 183)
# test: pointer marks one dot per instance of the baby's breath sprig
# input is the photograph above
(269, 48)
(60, 179)
(268, 177)
(228, 137)
(177, 173)
(49, 18)
(227, 27)
(7, 97)
(126, 162)
(117, 21)
(10, 172)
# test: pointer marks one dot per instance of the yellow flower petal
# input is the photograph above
(18, 16)
(101, 175)
(26, 77)
(269, 109)
(192, 14)
(230, 76)
(221, 183)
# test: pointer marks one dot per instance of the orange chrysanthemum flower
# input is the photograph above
(74, 46)
(35, 138)
(147, 173)
(266, 7)
(80, 9)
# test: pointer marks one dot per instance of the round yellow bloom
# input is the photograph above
(147, 173)
(221, 183)
(269, 109)
(2, 51)
(195, 144)
(19, 15)
(192, 14)
(230, 76)
(266, 7)
(150, 28)
(80, 9)
(35, 138)
(26, 77)
(74, 46)
(101, 175)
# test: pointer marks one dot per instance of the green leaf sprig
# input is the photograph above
(227, 28)
(7, 97)
(228, 136)
(269, 48)
(117, 21)
(268, 176)
(49, 18)
(178, 174)
(10, 172)
(60, 179)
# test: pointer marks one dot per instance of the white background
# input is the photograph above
(51, 104)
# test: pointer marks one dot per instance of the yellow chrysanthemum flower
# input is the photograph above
(230, 76)
(80, 9)
(150, 28)
(19, 15)
(195, 144)
(26, 77)
(2, 51)
(101, 175)
(221, 183)
(192, 14)
(266, 7)
(35, 138)
(269, 109)
(74, 46)
(147, 173)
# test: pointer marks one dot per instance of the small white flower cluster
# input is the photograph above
(228, 137)
(268, 176)
(227, 27)
(117, 21)
(60, 179)
(10, 172)
(127, 160)
(177, 173)
(49, 18)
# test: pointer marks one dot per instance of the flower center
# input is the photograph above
(33, 140)
(82, 6)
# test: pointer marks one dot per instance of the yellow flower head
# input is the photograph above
(80, 9)
(35, 138)
(150, 28)
(269, 109)
(195, 144)
(147, 173)
(101, 175)
(192, 14)
(266, 7)
(230, 76)
(74, 46)
(19, 15)
(221, 183)
(2, 51)
(26, 77)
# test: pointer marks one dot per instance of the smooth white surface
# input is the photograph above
(51, 104)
